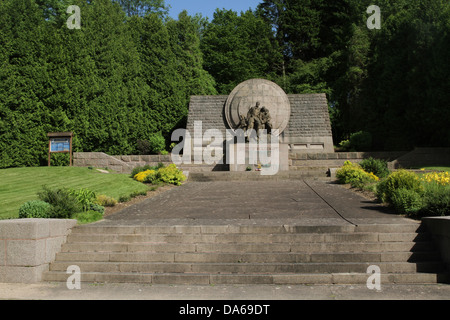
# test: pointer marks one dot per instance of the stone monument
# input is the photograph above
(261, 94)
(300, 122)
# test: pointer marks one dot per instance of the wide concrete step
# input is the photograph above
(211, 279)
(247, 253)
(249, 268)
(237, 258)
(246, 238)
(248, 229)
(301, 247)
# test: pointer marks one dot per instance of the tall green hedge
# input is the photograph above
(113, 82)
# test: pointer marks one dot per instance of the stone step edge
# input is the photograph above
(420, 266)
(282, 237)
(146, 238)
(251, 229)
(212, 279)
(417, 244)
(432, 251)
(239, 260)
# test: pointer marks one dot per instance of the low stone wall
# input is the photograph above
(120, 164)
(439, 227)
(298, 160)
(27, 246)
(422, 157)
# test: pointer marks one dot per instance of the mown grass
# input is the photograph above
(19, 185)
(437, 168)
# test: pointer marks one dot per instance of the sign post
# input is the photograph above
(60, 142)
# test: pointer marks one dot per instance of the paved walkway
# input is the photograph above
(300, 202)
(59, 291)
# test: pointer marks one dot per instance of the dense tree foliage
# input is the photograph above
(119, 79)
(237, 48)
(127, 74)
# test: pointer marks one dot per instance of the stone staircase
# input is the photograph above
(248, 254)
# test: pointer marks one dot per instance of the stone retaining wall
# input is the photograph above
(297, 159)
(27, 246)
(120, 164)
(423, 157)
(439, 227)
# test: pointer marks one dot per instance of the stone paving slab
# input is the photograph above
(59, 291)
(287, 202)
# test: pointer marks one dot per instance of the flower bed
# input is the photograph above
(159, 174)
(411, 194)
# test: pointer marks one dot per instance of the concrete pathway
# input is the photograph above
(301, 202)
(59, 291)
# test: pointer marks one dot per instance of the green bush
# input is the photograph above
(63, 204)
(436, 200)
(88, 216)
(152, 177)
(138, 169)
(159, 174)
(376, 166)
(124, 198)
(358, 141)
(361, 141)
(157, 143)
(34, 209)
(345, 145)
(406, 201)
(135, 194)
(400, 179)
(97, 208)
(143, 146)
(85, 197)
(355, 175)
(105, 201)
(170, 174)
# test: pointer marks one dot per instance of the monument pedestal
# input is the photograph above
(252, 157)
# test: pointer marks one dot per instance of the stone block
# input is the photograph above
(52, 246)
(79, 162)
(116, 168)
(28, 245)
(25, 252)
(180, 279)
(353, 155)
(61, 227)
(25, 229)
(2, 252)
(332, 156)
(80, 155)
(165, 158)
(22, 274)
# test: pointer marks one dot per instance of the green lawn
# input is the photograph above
(18, 185)
(437, 168)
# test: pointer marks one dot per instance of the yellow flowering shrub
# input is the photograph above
(401, 179)
(442, 178)
(353, 173)
(141, 176)
(170, 174)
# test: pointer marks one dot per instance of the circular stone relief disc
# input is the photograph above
(267, 93)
